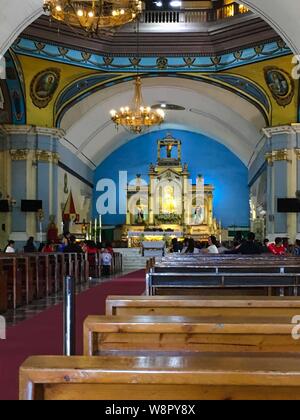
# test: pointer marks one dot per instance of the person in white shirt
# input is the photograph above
(10, 248)
(212, 245)
(106, 260)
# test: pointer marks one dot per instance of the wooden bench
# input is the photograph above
(237, 283)
(25, 277)
(224, 275)
(197, 334)
(209, 306)
(187, 377)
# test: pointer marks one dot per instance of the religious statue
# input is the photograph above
(168, 200)
(52, 232)
(140, 215)
(198, 215)
(169, 150)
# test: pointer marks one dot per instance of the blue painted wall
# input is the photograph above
(216, 163)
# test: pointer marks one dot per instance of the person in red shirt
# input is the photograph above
(277, 248)
(49, 248)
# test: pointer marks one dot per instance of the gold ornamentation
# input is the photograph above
(297, 151)
(43, 87)
(138, 117)
(46, 156)
(277, 156)
(19, 154)
(93, 15)
(281, 85)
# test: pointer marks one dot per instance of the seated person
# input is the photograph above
(212, 246)
(192, 249)
(265, 248)
(249, 247)
(73, 248)
(175, 246)
(296, 250)
(49, 247)
(10, 248)
(29, 247)
(277, 248)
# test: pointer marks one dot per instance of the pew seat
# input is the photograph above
(209, 306)
(197, 334)
(155, 377)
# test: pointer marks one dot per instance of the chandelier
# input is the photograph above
(93, 15)
(138, 117)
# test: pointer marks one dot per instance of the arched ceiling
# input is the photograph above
(284, 17)
(211, 110)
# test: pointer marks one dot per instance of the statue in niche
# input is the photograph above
(169, 150)
(52, 232)
(140, 215)
(198, 215)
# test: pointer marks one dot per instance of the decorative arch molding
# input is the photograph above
(80, 89)
(16, 88)
(267, 10)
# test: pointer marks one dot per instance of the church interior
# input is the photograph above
(149, 200)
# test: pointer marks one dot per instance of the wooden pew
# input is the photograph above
(3, 289)
(198, 283)
(24, 277)
(209, 306)
(187, 377)
(197, 334)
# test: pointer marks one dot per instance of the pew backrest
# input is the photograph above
(209, 306)
(189, 334)
(156, 377)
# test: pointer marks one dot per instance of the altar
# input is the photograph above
(169, 205)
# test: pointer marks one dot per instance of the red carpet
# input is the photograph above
(42, 335)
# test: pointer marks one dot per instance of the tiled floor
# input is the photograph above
(21, 314)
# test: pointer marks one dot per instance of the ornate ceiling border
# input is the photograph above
(82, 58)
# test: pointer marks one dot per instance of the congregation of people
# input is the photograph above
(240, 245)
(68, 244)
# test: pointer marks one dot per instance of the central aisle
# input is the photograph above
(42, 335)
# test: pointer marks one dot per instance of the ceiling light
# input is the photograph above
(175, 3)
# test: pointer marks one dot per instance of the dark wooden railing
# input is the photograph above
(26, 277)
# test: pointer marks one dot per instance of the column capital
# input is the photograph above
(269, 132)
(277, 156)
(31, 129)
(48, 157)
(19, 154)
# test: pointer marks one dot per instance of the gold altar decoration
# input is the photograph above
(93, 15)
(166, 207)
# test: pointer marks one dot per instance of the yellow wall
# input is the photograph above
(280, 115)
(255, 72)
(32, 66)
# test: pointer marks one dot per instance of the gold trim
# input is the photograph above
(297, 152)
(269, 158)
(277, 156)
(280, 155)
(46, 156)
(19, 154)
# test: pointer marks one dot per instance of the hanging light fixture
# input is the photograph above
(138, 117)
(93, 15)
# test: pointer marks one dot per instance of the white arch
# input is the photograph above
(210, 110)
(282, 16)
(16, 15)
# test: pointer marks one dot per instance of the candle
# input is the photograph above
(100, 228)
